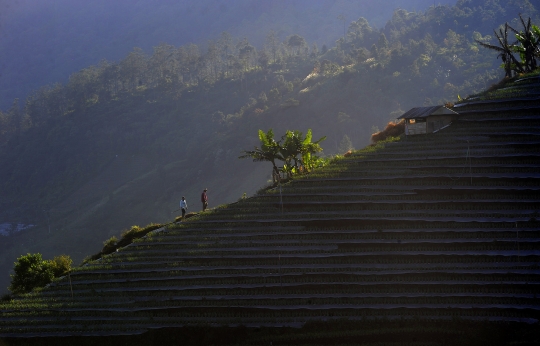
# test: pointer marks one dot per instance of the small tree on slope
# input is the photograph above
(30, 271)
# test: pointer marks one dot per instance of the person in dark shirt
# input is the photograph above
(204, 200)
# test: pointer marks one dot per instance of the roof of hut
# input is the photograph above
(423, 112)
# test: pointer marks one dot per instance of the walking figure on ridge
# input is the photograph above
(183, 206)
(204, 200)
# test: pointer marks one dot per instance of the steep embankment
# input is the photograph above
(431, 227)
(121, 142)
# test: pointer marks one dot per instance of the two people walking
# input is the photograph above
(204, 200)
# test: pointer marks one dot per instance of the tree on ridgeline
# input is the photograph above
(272, 44)
(290, 148)
(342, 19)
(527, 46)
(296, 43)
(345, 144)
(133, 69)
(268, 151)
(510, 63)
(246, 54)
(296, 151)
(305, 150)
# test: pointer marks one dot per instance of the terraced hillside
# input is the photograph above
(432, 227)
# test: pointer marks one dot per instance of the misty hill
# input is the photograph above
(426, 239)
(121, 142)
(43, 42)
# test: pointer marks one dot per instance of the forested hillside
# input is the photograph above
(44, 42)
(119, 143)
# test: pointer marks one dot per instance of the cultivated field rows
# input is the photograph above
(433, 226)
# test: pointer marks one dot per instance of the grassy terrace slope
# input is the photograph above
(432, 227)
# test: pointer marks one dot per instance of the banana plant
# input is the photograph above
(299, 151)
(290, 149)
(309, 148)
(295, 150)
(268, 151)
(529, 44)
(506, 50)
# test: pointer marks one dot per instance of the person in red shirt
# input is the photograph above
(204, 200)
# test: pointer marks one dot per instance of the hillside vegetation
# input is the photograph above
(427, 239)
(44, 42)
(120, 142)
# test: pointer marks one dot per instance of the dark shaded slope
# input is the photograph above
(436, 227)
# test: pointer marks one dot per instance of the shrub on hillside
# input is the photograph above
(91, 258)
(391, 130)
(136, 232)
(188, 215)
(112, 244)
(61, 265)
(30, 271)
(131, 233)
(109, 245)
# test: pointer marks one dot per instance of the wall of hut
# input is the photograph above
(436, 122)
(415, 126)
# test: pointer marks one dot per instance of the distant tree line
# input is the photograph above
(168, 69)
